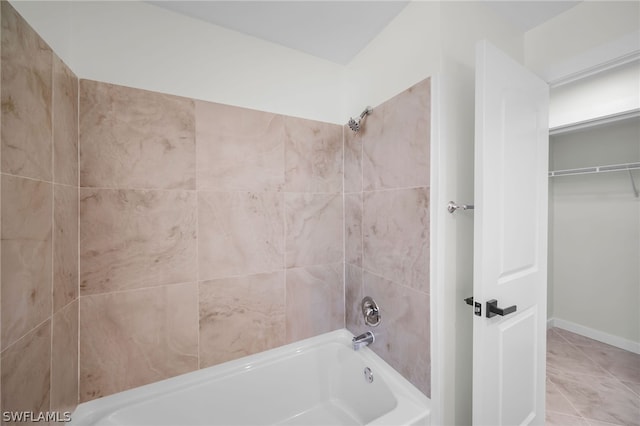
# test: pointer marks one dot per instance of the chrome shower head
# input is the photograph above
(355, 124)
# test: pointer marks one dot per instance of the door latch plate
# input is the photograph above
(477, 307)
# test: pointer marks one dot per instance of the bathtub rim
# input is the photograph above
(407, 395)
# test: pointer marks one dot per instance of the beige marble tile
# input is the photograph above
(314, 301)
(603, 399)
(396, 236)
(26, 255)
(240, 233)
(26, 99)
(557, 402)
(64, 359)
(239, 149)
(241, 316)
(634, 387)
(132, 239)
(313, 156)
(353, 294)
(403, 336)
(353, 159)
(26, 371)
(314, 229)
(575, 339)
(131, 338)
(135, 139)
(622, 364)
(592, 422)
(353, 228)
(568, 359)
(65, 245)
(396, 150)
(558, 419)
(65, 126)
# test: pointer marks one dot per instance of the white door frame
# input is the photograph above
(452, 131)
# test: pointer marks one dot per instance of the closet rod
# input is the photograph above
(595, 169)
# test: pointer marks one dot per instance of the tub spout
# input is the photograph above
(365, 339)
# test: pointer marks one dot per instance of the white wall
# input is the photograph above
(52, 21)
(590, 39)
(595, 233)
(139, 45)
(591, 32)
(407, 51)
(604, 94)
(415, 43)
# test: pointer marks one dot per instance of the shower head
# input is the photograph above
(355, 124)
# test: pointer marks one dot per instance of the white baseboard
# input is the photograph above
(610, 339)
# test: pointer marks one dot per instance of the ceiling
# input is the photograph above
(335, 30)
(529, 14)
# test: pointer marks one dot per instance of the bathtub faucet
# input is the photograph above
(365, 339)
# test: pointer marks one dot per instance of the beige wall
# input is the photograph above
(207, 232)
(39, 284)
(387, 168)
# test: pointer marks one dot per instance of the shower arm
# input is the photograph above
(366, 112)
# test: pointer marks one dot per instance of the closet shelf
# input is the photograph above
(595, 169)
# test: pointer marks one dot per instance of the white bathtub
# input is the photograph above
(318, 381)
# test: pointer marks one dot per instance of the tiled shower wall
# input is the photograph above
(208, 232)
(39, 208)
(387, 167)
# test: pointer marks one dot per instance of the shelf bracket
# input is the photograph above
(633, 184)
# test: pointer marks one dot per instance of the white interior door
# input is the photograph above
(510, 241)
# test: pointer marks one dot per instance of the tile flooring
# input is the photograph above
(590, 383)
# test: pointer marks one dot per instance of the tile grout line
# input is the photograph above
(53, 226)
(31, 330)
(563, 393)
(197, 193)
(568, 400)
(616, 379)
(344, 233)
(630, 389)
(362, 262)
(558, 387)
(284, 237)
(77, 81)
(579, 348)
(568, 415)
(50, 182)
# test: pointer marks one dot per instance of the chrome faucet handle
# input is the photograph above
(371, 312)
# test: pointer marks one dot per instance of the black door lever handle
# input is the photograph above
(493, 310)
